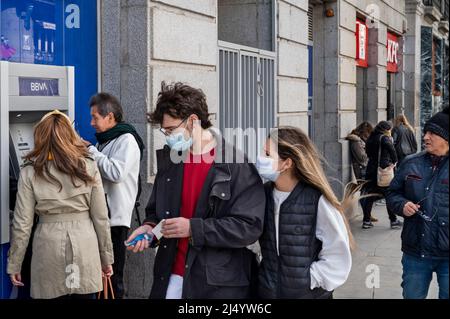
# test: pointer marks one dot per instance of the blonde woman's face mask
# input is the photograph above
(270, 165)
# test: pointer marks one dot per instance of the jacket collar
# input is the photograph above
(218, 181)
(298, 189)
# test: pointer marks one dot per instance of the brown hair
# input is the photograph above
(401, 119)
(55, 141)
(363, 130)
(180, 101)
(293, 143)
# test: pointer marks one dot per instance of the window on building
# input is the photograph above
(247, 108)
(390, 96)
(249, 23)
(436, 65)
(30, 32)
(362, 111)
(247, 97)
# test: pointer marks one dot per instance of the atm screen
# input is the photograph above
(22, 139)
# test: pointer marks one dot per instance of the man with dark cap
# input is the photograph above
(419, 193)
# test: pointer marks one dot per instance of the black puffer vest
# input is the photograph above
(288, 275)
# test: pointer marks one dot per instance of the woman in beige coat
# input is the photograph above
(72, 246)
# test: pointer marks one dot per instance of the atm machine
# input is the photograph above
(27, 92)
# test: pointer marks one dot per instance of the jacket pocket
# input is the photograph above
(228, 267)
(414, 187)
(410, 234)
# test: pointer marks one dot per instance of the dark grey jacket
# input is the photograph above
(422, 178)
(404, 142)
(358, 155)
(229, 216)
(287, 275)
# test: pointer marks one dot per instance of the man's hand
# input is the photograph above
(179, 227)
(410, 209)
(86, 143)
(141, 244)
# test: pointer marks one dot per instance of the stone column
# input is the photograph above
(125, 38)
(411, 63)
(335, 87)
(377, 74)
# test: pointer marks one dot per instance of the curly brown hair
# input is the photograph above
(180, 101)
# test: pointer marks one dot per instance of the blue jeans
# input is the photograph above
(417, 275)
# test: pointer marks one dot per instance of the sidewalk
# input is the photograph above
(380, 246)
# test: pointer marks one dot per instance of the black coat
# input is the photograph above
(388, 154)
(417, 181)
(287, 275)
(229, 216)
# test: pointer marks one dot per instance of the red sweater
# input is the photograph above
(194, 176)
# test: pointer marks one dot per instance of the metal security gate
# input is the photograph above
(247, 96)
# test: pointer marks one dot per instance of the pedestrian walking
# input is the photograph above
(212, 205)
(419, 193)
(381, 152)
(306, 241)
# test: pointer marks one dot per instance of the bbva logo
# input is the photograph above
(73, 17)
(38, 86)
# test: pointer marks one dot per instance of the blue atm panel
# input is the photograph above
(52, 32)
(55, 32)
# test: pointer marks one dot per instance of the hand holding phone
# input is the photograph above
(138, 238)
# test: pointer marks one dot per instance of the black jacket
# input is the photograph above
(229, 216)
(388, 154)
(417, 181)
(287, 275)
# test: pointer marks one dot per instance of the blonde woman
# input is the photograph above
(404, 140)
(306, 241)
(72, 246)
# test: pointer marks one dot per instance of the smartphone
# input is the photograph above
(138, 238)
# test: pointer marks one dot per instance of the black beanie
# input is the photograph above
(438, 124)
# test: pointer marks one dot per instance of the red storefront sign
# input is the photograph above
(392, 52)
(362, 43)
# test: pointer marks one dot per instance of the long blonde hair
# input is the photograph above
(293, 143)
(56, 142)
(401, 119)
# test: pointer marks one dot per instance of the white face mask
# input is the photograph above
(264, 165)
(177, 142)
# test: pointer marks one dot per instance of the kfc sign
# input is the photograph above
(362, 42)
(392, 53)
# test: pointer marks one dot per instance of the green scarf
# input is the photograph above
(118, 130)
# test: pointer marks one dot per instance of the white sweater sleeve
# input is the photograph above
(335, 259)
(116, 165)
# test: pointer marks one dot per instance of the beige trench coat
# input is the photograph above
(73, 238)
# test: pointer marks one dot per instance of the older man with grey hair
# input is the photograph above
(118, 154)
